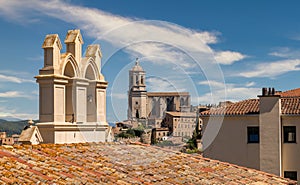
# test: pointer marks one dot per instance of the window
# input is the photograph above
(137, 79)
(142, 79)
(291, 175)
(136, 102)
(253, 134)
(289, 134)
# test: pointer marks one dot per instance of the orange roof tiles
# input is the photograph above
(115, 163)
(290, 93)
(251, 106)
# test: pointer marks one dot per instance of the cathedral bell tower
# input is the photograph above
(137, 94)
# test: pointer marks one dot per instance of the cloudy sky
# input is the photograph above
(216, 50)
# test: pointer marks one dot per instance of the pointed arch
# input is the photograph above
(90, 70)
(69, 66)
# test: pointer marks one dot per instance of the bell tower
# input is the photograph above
(137, 93)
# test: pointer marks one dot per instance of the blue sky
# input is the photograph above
(216, 50)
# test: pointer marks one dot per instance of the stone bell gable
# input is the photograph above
(71, 86)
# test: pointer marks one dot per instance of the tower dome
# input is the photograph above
(137, 66)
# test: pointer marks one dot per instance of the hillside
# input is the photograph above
(12, 127)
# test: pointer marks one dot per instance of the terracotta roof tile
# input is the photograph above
(244, 107)
(251, 106)
(290, 93)
(115, 163)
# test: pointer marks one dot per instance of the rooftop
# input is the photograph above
(251, 106)
(290, 93)
(182, 114)
(115, 163)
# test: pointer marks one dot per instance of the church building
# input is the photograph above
(152, 106)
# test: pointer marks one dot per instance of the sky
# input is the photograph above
(215, 50)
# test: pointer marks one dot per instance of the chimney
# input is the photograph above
(268, 91)
(270, 131)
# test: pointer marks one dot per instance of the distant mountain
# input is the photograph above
(12, 127)
(9, 118)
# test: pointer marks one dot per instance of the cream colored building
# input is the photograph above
(72, 101)
(180, 123)
(152, 105)
(258, 133)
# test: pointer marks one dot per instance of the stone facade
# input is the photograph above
(181, 124)
(152, 106)
(72, 92)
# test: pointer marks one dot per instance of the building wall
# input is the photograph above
(291, 151)
(180, 125)
(231, 143)
(8, 141)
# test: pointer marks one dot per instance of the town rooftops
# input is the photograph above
(251, 106)
(182, 114)
(114, 163)
(167, 94)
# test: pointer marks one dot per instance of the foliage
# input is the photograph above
(12, 127)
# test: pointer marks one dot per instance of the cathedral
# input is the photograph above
(152, 106)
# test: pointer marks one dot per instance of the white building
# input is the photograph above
(258, 133)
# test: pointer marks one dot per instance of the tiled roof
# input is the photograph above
(251, 106)
(114, 163)
(182, 114)
(290, 93)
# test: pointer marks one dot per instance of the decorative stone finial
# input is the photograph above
(30, 122)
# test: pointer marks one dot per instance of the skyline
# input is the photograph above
(200, 47)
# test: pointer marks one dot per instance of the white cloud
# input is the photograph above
(232, 92)
(213, 84)
(13, 94)
(228, 57)
(14, 79)
(285, 52)
(22, 116)
(250, 84)
(123, 31)
(156, 84)
(272, 69)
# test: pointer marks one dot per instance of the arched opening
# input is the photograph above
(142, 80)
(170, 104)
(90, 74)
(69, 71)
(91, 94)
(137, 80)
(182, 102)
